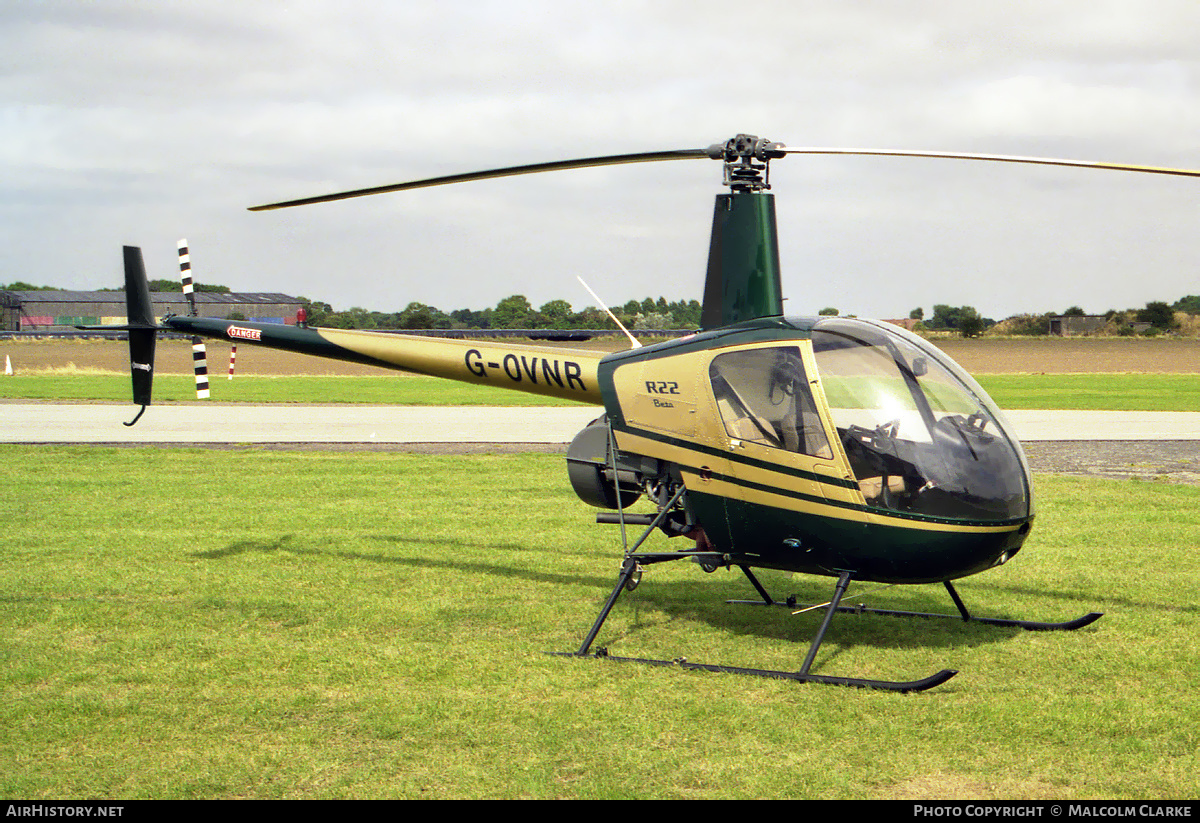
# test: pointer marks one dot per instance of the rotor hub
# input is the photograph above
(747, 161)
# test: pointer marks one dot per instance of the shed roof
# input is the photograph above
(169, 297)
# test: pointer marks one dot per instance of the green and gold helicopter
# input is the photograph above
(829, 446)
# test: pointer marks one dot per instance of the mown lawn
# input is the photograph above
(181, 623)
(1116, 392)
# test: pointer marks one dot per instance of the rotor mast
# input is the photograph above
(743, 278)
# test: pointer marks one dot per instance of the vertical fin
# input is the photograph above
(743, 281)
(142, 328)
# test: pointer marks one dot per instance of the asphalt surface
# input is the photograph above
(215, 423)
(1147, 445)
(1174, 461)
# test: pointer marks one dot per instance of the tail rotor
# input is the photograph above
(199, 354)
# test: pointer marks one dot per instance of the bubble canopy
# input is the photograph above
(922, 437)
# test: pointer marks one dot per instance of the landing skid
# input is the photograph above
(683, 663)
(631, 571)
(963, 614)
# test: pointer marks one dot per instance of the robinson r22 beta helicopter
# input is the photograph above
(828, 446)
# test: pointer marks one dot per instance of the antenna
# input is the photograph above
(632, 340)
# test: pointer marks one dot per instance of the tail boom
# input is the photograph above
(569, 374)
(551, 372)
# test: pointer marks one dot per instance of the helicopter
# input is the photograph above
(831, 446)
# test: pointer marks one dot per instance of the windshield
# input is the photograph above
(921, 436)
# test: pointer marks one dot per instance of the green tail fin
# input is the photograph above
(743, 281)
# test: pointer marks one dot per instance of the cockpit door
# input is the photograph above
(786, 470)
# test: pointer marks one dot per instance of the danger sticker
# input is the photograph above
(239, 333)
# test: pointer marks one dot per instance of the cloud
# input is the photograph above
(126, 123)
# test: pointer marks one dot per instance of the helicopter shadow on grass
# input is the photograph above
(657, 601)
(1088, 599)
(288, 543)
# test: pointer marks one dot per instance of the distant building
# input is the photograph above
(1068, 325)
(63, 310)
(909, 323)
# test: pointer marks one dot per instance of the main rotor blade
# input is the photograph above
(999, 158)
(511, 171)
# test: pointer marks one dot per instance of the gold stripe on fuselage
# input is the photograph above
(780, 490)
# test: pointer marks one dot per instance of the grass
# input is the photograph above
(1115, 392)
(379, 631)
(1109, 392)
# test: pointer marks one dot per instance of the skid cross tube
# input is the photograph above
(627, 569)
(629, 566)
(838, 591)
(758, 586)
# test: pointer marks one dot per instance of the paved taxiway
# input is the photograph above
(205, 423)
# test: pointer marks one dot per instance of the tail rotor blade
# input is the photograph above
(200, 365)
(199, 353)
(185, 276)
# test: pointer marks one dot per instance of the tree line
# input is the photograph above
(516, 312)
(513, 312)
(1156, 317)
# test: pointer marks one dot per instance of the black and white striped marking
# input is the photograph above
(185, 275)
(200, 363)
(199, 355)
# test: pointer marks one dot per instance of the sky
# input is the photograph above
(139, 123)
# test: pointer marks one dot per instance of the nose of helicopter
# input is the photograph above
(922, 438)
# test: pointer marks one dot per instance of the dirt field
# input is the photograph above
(171, 357)
(1070, 355)
(1000, 356)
